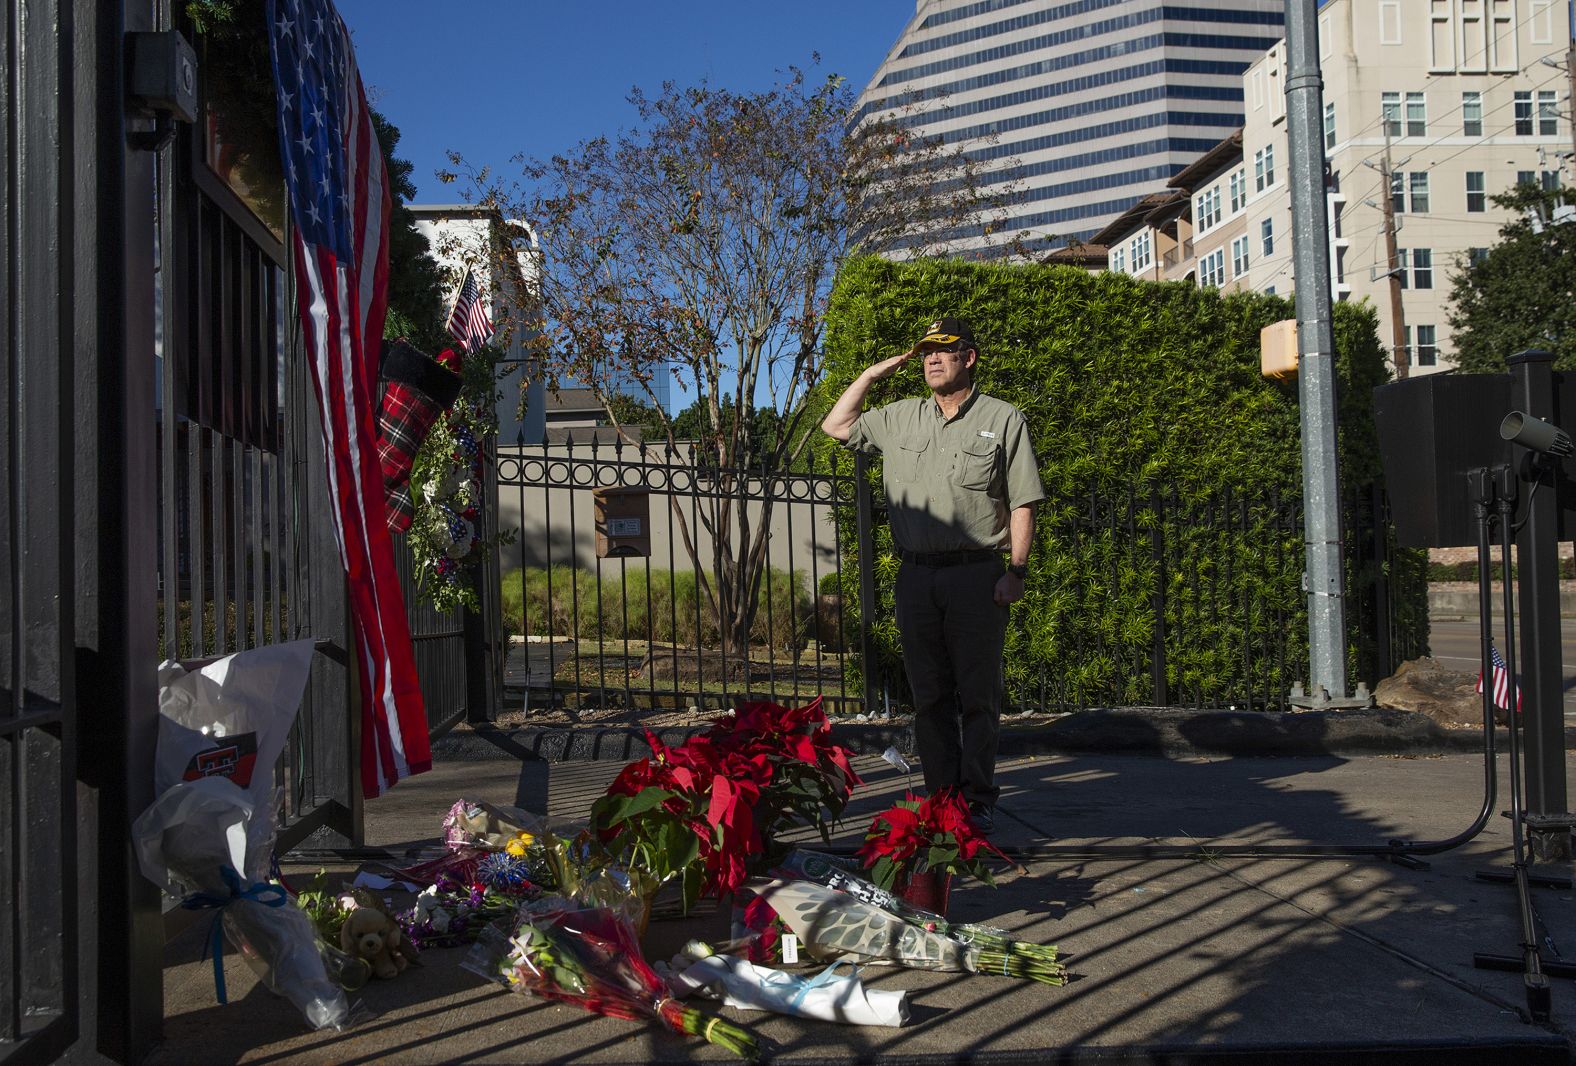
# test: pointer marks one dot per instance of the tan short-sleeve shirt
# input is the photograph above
(951, 483)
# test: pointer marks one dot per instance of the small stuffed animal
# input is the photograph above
(370, 933)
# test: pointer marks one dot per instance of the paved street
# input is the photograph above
(1456, 645)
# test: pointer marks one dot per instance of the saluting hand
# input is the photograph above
(887, 367)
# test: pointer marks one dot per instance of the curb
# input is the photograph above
(1158, 731)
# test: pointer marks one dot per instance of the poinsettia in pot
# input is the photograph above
(804, 776)
(683, 814)
(915, 847)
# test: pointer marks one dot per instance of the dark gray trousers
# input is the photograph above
(952, 634)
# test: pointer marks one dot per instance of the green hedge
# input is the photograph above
(659, 606)
(1133, 389)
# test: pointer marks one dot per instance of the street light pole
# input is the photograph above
(1316, 356)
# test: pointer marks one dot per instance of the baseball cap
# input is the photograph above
(948, 333)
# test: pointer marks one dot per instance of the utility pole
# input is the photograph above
(1402, 352)
(1316, 357)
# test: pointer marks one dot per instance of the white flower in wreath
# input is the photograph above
(445, 488)
(461, 546)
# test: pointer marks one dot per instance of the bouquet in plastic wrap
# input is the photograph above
(208, 838)
(828, 996)
(208, 847)
(837, 926)
(589, 956)
(825, 870)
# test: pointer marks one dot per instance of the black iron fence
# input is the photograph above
(1163, 600)
(640, 579)
(1138, 597)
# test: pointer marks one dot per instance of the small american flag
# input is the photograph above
(1501, 681)
(469, 324)
(339, 210)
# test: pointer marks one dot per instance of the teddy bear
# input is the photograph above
(371, 934)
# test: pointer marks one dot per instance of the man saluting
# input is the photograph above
(961, 484)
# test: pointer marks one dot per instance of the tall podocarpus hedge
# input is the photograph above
(1171, 467)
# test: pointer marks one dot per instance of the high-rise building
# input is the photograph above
(1087, 104)
(1456, 101)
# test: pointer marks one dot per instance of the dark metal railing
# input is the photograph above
(641, 631)
(247, 555)
(1162, 598)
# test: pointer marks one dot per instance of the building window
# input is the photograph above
(1267, 237)
(1398, 191)
(1206, 209)
(1427, 346)
(1264, 168)
(1526, 177)
(1548, 114)
(1142, 251)
(1477, 192)
(1419, 187)
(1119, 260)
(1422, 268)
(1401, 267)
(1329, 127)
(1416, 115)
(1523, 114)
(1239, 257)
(1476, 256)
(1551, 180)
(1239, 190)
(1472, 114)
(1390, 113)
(1212, 269)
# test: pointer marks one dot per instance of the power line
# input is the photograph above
(1477, 142)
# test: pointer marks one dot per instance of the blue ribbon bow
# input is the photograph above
(261, 892)
(824, 977)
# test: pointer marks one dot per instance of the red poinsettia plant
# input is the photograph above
(705, 810)
(932, 834)
(811, 776)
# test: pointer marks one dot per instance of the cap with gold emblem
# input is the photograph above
(947, 333)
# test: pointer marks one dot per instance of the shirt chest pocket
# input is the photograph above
(905, 462)
(976, 466)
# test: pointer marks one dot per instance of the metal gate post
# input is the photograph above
(864, 519)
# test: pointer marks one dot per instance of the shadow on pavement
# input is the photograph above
(1202, 960)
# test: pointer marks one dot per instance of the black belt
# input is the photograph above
(953, 558)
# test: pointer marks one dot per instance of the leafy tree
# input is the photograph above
(415, 292)
(704, 241)
(764, 426)
(625, 410)
(1522, 293)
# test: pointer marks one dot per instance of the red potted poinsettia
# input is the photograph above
(914, 848)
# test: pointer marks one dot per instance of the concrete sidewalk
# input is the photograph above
(1208, 960)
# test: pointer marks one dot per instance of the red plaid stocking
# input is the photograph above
(418, 391)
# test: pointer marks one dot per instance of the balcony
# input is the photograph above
(1180, 254)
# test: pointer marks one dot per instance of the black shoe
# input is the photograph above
(984, 821)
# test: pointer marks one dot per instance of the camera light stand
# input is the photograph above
(1494, 501)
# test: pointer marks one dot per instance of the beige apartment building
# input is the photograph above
(1467, 97)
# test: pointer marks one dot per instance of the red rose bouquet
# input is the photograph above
(590, 957)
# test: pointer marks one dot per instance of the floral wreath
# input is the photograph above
(448, 535)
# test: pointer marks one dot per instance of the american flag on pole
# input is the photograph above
(468, 323)
(1501, 681)
(339, 213)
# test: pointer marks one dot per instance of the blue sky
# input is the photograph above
(493, 78)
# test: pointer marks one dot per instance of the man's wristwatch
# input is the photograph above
(1018, 570)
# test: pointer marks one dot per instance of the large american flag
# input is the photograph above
(468, 323)
(339, 212)
(1501, 680)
